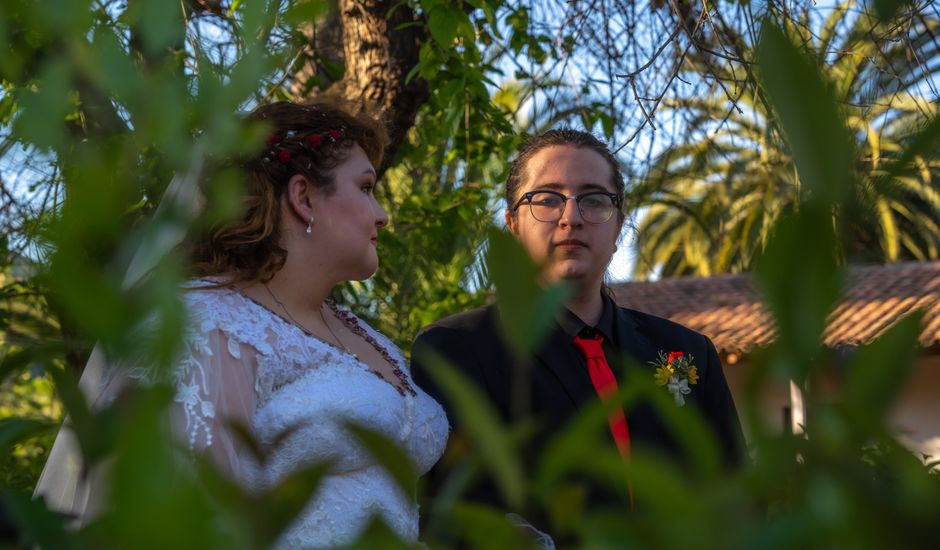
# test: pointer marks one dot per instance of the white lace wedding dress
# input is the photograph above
(246, 364)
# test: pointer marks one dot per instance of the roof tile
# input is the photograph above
(729, 309)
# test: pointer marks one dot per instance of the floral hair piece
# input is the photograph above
(278, 143)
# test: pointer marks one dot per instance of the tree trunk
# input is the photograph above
(378, 57)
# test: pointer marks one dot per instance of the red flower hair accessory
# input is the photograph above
(310, 142)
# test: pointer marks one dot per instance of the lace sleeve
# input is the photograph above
(215, 383)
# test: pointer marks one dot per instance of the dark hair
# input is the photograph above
(560, 137)
(247, 248)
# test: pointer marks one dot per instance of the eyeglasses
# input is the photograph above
(548, 206)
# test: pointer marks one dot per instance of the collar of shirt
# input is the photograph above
(573, 326)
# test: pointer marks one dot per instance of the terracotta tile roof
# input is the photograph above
(728, 308)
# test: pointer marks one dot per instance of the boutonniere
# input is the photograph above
(677, 372)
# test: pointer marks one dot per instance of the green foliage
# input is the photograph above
(29, 415)
(709, 203)
(441, 191)
(29, 408)
(118, 100)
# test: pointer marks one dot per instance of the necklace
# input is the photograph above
(301, 325)
(352, 323)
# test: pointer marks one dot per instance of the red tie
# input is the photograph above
(606, 386)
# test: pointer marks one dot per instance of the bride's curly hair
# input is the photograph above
(307, 139)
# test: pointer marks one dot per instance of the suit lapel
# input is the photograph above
(646, 427)
(560, 360)
(633, 342)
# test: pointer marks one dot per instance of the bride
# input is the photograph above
(268, 349)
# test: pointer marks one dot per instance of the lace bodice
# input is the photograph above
(245, 364)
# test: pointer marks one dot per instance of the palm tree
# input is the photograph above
(708, 205)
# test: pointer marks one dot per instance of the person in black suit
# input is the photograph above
(564, 197)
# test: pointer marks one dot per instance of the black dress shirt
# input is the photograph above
(573, 326)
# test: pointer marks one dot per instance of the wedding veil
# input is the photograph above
(65, 484)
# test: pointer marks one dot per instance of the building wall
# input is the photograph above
(916, 414)
(773, 406)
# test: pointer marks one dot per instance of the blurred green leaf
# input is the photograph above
(116, 69)
(475, 412)
(14, 430)
(256, 519)
(799, 279)
(168, 493)
(284, 502)
(814, 129)
(16, 361)
(526, 310)
(485, 527)
(41, 120)
(388, 455)
(66, 17)
(306, 11)
(160, 25)
(583, 444)
(798, 267)
(7, 108)
(82, 420)
(162, 334)
(442, 22)
(378, 535)
(700, 451)
(37, 525)
(887, 9)
(880, 370)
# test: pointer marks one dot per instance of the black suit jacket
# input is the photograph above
(558, 386)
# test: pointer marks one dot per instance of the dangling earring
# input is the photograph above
(309, 229)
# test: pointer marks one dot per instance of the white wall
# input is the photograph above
(916, 415)
(774, 399)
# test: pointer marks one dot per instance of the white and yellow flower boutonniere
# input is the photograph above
(677, 372)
